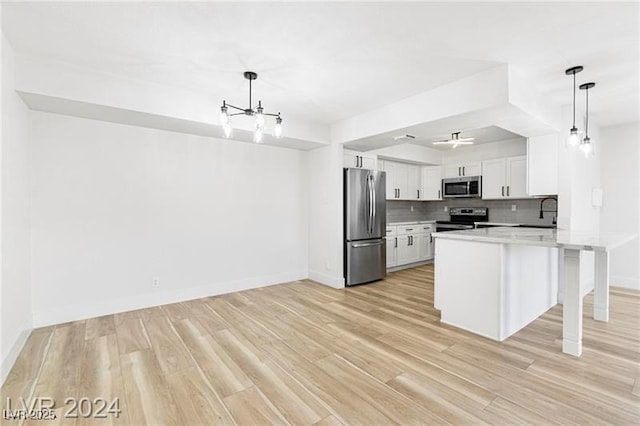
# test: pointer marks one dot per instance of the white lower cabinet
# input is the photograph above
(408, 249)
(425, 242)
(408, 244)
(392, 246)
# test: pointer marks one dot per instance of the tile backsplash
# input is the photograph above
(527, 210)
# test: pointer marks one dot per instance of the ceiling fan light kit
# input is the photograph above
(257, 112)
(455, 141)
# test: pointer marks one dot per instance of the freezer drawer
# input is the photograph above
(365, 261)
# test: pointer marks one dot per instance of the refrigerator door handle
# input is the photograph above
(370, 187)
(377, 243)
(373, 192)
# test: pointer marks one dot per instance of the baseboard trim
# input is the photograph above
(625, 282)
(331, 281)
(409, 265)
(91, 310)
(7, 363)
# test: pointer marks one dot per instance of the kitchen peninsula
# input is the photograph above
(509, 276)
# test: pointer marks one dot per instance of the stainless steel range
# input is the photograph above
(463, 218)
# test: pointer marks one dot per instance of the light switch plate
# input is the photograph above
(514, 207)
(446, 209)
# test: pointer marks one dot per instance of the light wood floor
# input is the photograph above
(302, 353)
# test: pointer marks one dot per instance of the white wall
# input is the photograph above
(620, 162)
(116, 205)
(15, 290)
(325, 192)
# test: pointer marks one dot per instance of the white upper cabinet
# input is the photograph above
(360, 160)
(431, 183)
(413, 182)
(403, 180)
(504, 178)
(542, 165)
(493, 178)
(473, 168)
(517, 177)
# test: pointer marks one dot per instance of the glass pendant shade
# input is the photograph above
(277, 130)
(227, 130)
(224, 116)
(257, 135)
(586, 147)
(573, 139)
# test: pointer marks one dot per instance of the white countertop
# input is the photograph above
(415, 222)
(602, 241)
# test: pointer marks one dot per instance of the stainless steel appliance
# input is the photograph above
(462, 187)
(365, 214)
(462, 218)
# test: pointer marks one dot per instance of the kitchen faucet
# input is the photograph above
(554, 211)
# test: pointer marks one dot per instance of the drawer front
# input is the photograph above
(410, 229)
(392, 231)
(427, 228)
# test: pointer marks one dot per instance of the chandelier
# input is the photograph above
(257, 112)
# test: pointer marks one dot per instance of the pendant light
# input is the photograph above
(586, 146)
(257, 112)
(574, 139)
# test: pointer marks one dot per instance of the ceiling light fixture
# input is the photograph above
(455, 140)
(574, 139)
(257, 112)
(585, 146)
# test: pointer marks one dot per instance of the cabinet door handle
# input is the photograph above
(396, 238)
(459, 171)
(430, 238)
(463, 174)
(438, 193)
(503, 191)
(409, 229)
(507, 190)
(418, 194)
(357, 161)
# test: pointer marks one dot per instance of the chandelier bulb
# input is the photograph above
(224, 115)
(260, 116)
(227, 130)
(257, 135)
(277, 131)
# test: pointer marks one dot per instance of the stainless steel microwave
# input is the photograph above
(462, 187)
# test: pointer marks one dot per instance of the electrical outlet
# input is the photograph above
(411, 208)
(155, 282)
(446, 209)
(514, 207)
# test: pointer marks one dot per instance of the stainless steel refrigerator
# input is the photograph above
(364, 226)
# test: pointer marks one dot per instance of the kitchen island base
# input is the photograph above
(491, 289)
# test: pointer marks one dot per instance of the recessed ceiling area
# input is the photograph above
(425, 134)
